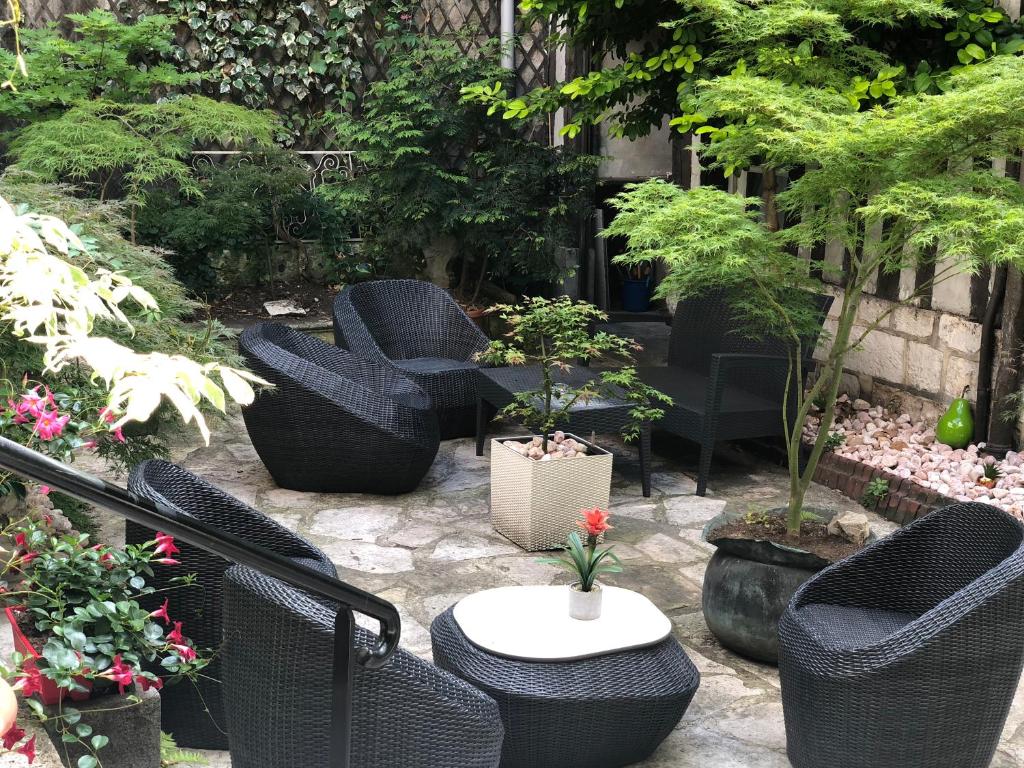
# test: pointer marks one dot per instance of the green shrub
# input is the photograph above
(441, 178)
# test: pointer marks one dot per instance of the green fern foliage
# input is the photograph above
(171, 754)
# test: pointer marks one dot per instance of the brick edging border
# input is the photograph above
(905, 502)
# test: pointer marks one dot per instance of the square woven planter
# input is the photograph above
(536, 503)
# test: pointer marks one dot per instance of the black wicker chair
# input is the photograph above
(334, 422)
(418, 329)
(908, 654)
(277, 678)
(194, 713)
(723, 384)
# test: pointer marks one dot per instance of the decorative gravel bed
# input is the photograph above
(908, 449)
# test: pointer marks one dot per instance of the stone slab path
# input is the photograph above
(427, 549)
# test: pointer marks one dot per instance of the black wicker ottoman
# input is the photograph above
(599, 712)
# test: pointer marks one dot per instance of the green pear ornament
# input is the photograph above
(955, 427)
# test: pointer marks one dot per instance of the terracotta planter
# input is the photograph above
(50, 694)
(536, 503)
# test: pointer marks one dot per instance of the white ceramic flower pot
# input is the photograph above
(537, 504)
(585, 606)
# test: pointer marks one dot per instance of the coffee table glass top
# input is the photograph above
(532, 623)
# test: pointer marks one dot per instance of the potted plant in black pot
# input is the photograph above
(541, 482)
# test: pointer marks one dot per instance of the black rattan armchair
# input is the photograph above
(334, 422)
(194, 714)
(908, 654)
(277, 676)
(723, 384)
(418, 329)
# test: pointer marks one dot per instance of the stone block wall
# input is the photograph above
(921, 357)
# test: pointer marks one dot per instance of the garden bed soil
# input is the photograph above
(243, 306)
(814, 537)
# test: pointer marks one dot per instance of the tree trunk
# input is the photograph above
(769, 189)
(1008, 361)
(438, 254)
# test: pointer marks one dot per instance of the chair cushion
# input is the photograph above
(849, 627)
(688, 389)
(433, 365)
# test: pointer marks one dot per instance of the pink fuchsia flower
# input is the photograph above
(107, 415)
(594, 522)
(165, 545)
(145, 683)
(161, 613)
(90, 444)
(21, 540)
(185, 652)
(174, 636)
(28, 749)
(44, 490)
(30, 681)
(120, 673)
(13, 736)
(50, 425)
(167, 561)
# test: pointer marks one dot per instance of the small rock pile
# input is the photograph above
(559, 447)
(908, 449)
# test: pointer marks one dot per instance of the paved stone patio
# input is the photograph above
(425, 550)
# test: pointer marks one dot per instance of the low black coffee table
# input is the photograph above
(496, 388)
(603, 711)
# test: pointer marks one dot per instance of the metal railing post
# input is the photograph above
(341, 686)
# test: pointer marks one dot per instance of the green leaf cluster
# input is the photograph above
(586, 561)
(557, 335)
(435, 166)
(96, 112)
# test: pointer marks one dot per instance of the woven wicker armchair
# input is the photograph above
(277, 678)
(908, 654)
(724, 385)
(334, 422)
(419, 330)
(199, 607)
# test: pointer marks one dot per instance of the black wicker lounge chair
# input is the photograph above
(194, 714)
(908, 654)
(418, 329)
(277, 678)
(334, 422)
(724, 385)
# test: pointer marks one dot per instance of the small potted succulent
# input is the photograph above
(587, 562)
(80, 634)
(540, 482)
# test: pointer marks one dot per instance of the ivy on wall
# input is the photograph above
(299, 58)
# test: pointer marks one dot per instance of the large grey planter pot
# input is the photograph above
(747, 586)
(133, 730)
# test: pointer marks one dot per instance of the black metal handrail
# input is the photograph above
(30, 464)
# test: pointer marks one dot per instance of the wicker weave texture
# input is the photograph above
(601, 712)
(536, 504)
(908, 654)
(277, 678)
(194, 713)
(333, 422)
(420, 331)
(724, 384)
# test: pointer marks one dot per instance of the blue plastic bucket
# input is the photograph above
(636, 295)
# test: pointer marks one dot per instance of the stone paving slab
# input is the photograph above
(427, 549)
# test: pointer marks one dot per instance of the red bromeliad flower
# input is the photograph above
(120, 673)
(175, 636)
(161, 613)
(594, 522)
(165, 545)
